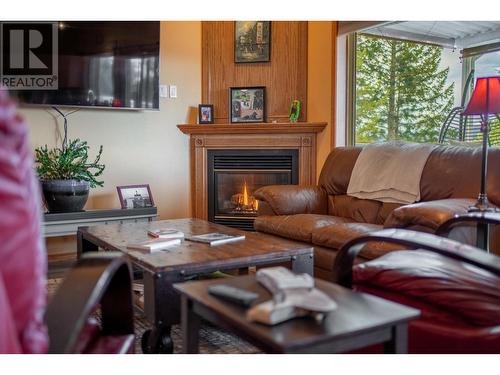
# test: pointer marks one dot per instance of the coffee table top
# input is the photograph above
(356, 313)
(193, 257)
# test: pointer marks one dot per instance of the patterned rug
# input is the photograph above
(213, 340)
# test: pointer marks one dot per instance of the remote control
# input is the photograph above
(236, 295)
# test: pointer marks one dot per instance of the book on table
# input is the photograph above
(154, 245)
(167, 233)
(216, 238)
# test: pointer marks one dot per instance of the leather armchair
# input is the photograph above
(456, 286)
(98, 280)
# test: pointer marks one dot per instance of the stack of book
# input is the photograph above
(162, 239)
(214, 239)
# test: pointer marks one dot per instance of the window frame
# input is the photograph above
(468, 63)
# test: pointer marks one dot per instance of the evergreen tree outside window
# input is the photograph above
(403, 92)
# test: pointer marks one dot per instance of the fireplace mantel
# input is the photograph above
(259, 128)
(300, 136)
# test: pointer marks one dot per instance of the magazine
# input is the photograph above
(154, 245)
(216, 238)
(166, 233)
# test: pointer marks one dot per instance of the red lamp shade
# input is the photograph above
(485, 98)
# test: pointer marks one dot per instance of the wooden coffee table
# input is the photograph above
(186, 261)
(360, 320)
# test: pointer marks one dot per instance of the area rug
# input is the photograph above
(213, 340)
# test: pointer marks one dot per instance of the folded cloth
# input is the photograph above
(389, 172)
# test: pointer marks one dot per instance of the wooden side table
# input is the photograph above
(359, 321)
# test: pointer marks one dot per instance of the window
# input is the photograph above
(487, 64)
(403, 90)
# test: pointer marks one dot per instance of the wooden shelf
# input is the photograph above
(254, 128)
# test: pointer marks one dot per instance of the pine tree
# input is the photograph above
(400, 92)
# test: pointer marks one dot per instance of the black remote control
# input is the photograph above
(236, 295)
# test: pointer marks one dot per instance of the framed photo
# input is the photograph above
(135, 196)
(247, 104)
(252, 41)
(205, 114)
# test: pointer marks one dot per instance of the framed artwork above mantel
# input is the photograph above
(252, 41)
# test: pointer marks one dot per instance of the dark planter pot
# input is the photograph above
(65, 195)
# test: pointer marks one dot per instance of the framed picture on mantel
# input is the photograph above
(247, 104)
(205, 114)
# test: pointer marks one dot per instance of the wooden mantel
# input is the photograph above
(300, 136)
(257, 128)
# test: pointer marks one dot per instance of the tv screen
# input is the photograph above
(104, 65)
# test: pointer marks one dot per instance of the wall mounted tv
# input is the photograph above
(104, 65)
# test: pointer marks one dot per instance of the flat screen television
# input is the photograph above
(104, 64)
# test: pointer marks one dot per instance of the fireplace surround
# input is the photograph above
(233, 176)
(301, 137)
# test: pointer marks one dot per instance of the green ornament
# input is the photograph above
(294, 110)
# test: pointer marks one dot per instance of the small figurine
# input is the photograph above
(294, 110)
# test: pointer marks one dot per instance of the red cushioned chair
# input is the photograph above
(99, 281)
(456, 287)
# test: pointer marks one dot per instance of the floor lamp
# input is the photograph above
(485, 101)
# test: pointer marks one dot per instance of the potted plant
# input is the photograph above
(66, 175)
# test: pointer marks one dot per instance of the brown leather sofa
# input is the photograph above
(327, 217)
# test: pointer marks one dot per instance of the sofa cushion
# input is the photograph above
(461, 289)
(336, 236)
(298, 227)
(361, 210)
(455, 172)
(427, 214)
(336, 171)
(385, 210)
(324, 258)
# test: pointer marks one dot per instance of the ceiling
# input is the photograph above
(451, 34)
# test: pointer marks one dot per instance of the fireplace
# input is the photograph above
(234, 175)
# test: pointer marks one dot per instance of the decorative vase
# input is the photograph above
(65, 195)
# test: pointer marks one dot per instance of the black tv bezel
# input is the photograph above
(28, 105)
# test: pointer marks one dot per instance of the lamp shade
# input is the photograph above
(485, 98)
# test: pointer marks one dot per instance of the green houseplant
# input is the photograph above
(67, 175)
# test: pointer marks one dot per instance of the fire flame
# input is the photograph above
(245, 195)
(245, 201)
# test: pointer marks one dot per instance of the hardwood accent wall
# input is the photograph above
(285, 76)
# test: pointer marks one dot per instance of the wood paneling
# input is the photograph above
(285, 76)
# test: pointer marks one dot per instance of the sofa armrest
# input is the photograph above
(97, 278)
(429, 214)
(293, 199)
(407, 238)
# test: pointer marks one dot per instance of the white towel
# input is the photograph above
(389, 172)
